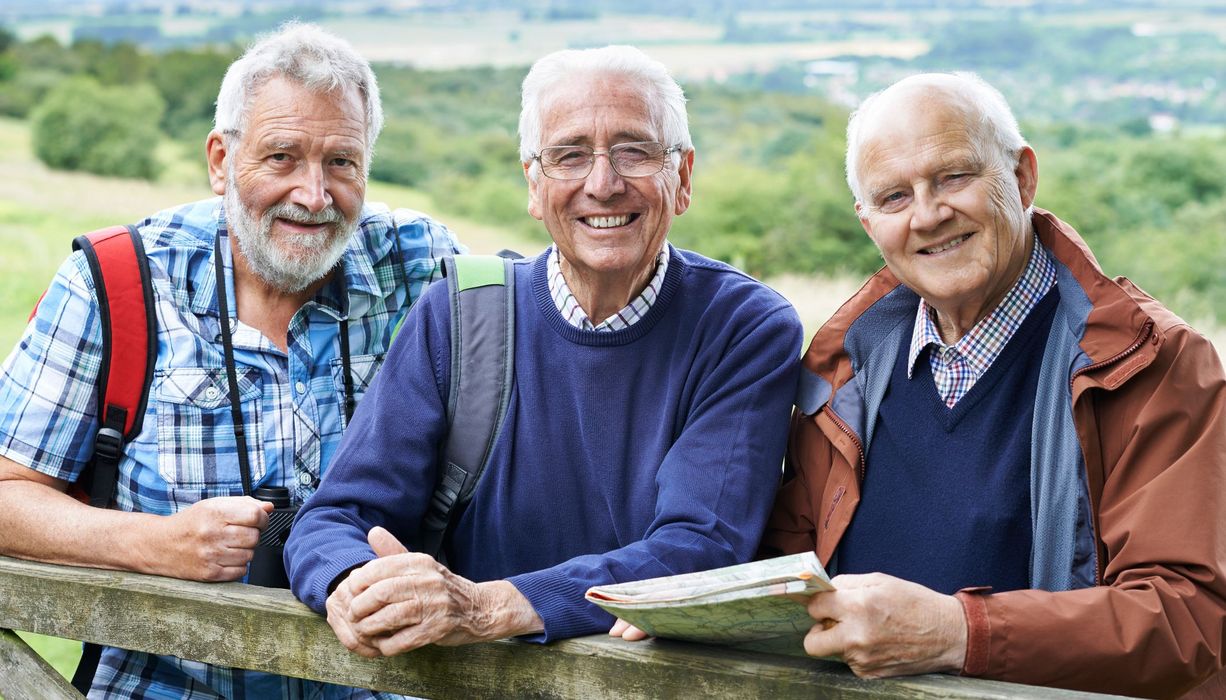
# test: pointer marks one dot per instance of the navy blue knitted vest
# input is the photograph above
(946, 496)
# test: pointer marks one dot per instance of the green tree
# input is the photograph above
(189, 80)
(82, 125)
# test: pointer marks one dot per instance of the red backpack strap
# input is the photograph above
(120, 270)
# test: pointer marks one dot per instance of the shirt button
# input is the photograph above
(211, 393)
(304, 478)
(299, 388)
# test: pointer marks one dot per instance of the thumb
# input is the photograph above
(384, 543)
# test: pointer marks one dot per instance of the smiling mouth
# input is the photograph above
(948, 245)
(608, 221)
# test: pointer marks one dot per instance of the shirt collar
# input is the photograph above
(574, 314)
(983, 343)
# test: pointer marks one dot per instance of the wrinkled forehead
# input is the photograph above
(919, 122)
(574, 108)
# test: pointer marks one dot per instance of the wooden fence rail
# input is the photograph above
(234, 624)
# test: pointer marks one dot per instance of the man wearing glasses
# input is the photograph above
(646, 422)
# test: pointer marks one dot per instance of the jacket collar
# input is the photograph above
(1105, 317)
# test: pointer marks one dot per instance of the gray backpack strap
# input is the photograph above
(482, 293)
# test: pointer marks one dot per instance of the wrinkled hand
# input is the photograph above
(404, 600)
(627, 631)
(212, 540)
(884, 626)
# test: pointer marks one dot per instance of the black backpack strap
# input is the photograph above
(120, 270)
(482, 292)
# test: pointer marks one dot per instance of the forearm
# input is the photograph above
(41, 523)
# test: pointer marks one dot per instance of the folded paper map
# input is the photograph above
(758, 606)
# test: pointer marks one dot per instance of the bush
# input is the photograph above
(82, 125)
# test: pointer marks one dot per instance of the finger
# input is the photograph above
(389, 591)
(372, 572)
(410, 638)
(346, 636)
(618, 627)
(824, 641)
(387, 620)
(384, 543)
(239, 536)
(226, 573)
(234, 557)
(825, 606)
(242, 510)
(634, 634)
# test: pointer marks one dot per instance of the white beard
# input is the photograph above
(296, 262)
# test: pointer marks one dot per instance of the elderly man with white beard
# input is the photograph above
(287, 287)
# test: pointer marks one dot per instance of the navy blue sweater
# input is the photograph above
(946, 494)
(644, 452)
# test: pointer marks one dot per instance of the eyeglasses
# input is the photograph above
(637, 159)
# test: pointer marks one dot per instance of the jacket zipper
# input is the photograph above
(1147, 330)
(848, 432)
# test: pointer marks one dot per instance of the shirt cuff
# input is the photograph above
(978, 629)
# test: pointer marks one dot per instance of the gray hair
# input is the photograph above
(664, 97)
(993, 128)
(307, 55)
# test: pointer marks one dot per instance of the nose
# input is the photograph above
(311, 190)
(928, 211)
(603, 182)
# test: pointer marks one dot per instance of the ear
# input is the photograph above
(215, 153)
(685, 187)
(864, 221)
(1027, 172)
(534, 195)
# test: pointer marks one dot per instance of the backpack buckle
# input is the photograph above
(108, 445)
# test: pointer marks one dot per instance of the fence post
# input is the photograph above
(26, 675)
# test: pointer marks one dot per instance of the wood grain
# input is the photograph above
(234, 624)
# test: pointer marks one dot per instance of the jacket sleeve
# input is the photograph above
(1155, 625)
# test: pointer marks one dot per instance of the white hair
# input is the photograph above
(664, 97)
(993, 128)
(307, 55)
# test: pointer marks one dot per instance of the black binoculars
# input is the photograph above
(267, 564)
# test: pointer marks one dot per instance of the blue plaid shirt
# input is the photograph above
(291, 401)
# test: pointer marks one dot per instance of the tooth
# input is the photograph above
(607, 221)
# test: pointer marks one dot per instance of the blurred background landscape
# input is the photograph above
(105, 104)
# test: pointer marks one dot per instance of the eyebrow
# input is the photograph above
(878, 192)
(619, 137)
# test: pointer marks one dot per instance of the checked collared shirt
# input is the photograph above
(956, 367)
(291, 401)
(574, 314)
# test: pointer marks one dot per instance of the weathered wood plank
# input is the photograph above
(268, 630)
(24, 674)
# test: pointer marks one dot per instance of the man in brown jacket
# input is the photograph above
(1015, 465)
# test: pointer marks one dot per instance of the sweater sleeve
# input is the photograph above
(715, 484)
(1155, 627)
(385, 467)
